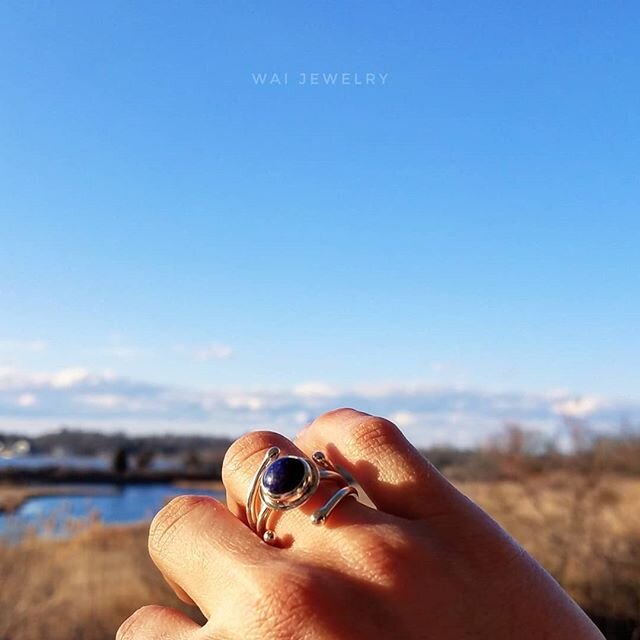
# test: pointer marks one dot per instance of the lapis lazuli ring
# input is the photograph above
(286, 482)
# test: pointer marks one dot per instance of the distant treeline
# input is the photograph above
(514, 451)
(89, 443)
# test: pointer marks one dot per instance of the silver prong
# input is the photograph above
(252, 494)
(319, 516)
(322, 461)
(272, 453)
(269, 536)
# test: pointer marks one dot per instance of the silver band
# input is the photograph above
(287, 482)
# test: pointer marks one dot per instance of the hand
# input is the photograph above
(426, 564)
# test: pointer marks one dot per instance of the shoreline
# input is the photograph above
(14, 495)
(59, 475)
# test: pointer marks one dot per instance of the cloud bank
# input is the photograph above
(428, 414)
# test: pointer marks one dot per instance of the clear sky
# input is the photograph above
(470, 218)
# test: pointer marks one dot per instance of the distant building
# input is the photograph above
(18, 448)
(21, 447)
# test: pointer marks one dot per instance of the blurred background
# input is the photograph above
(228, 215)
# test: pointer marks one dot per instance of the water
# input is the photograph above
(56, 515)
(89, 463)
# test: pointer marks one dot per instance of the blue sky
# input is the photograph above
(469, 224)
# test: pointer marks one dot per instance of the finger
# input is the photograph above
(240, 464)
(157, 623)
(202, 548)
(180, 593)
(395, 475)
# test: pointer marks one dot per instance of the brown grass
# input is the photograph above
(585, 531)
(81, 588)
(585, 534)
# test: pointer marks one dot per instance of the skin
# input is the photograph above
(426, 564)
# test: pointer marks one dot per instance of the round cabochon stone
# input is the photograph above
(283, 475)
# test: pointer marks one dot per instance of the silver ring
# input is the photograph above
(287, 482)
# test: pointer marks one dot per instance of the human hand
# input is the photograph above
(426, 564)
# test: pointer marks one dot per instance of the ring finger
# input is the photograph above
(292, 527)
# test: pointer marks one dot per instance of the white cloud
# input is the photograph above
(27, 400)
(252, 403)
(23, 345)
(302, 417)
(102, 400)
(314, 390)
(403, 418)
(121, 403)
(119, 351)
(205, 353)
(67, 378)
(117, 348)
(427, 414)
(578, 407)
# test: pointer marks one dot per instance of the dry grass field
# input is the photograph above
(586, 532)
(77, 589)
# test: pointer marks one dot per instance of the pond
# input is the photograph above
(88, 463)
(60, 515)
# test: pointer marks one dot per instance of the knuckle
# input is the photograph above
(341, 414)
(373, 432)
(172, 519)
(135, 623)
(245, 447)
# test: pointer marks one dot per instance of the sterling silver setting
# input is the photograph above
(282, 483)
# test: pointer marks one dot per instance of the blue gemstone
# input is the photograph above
(283, 475)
